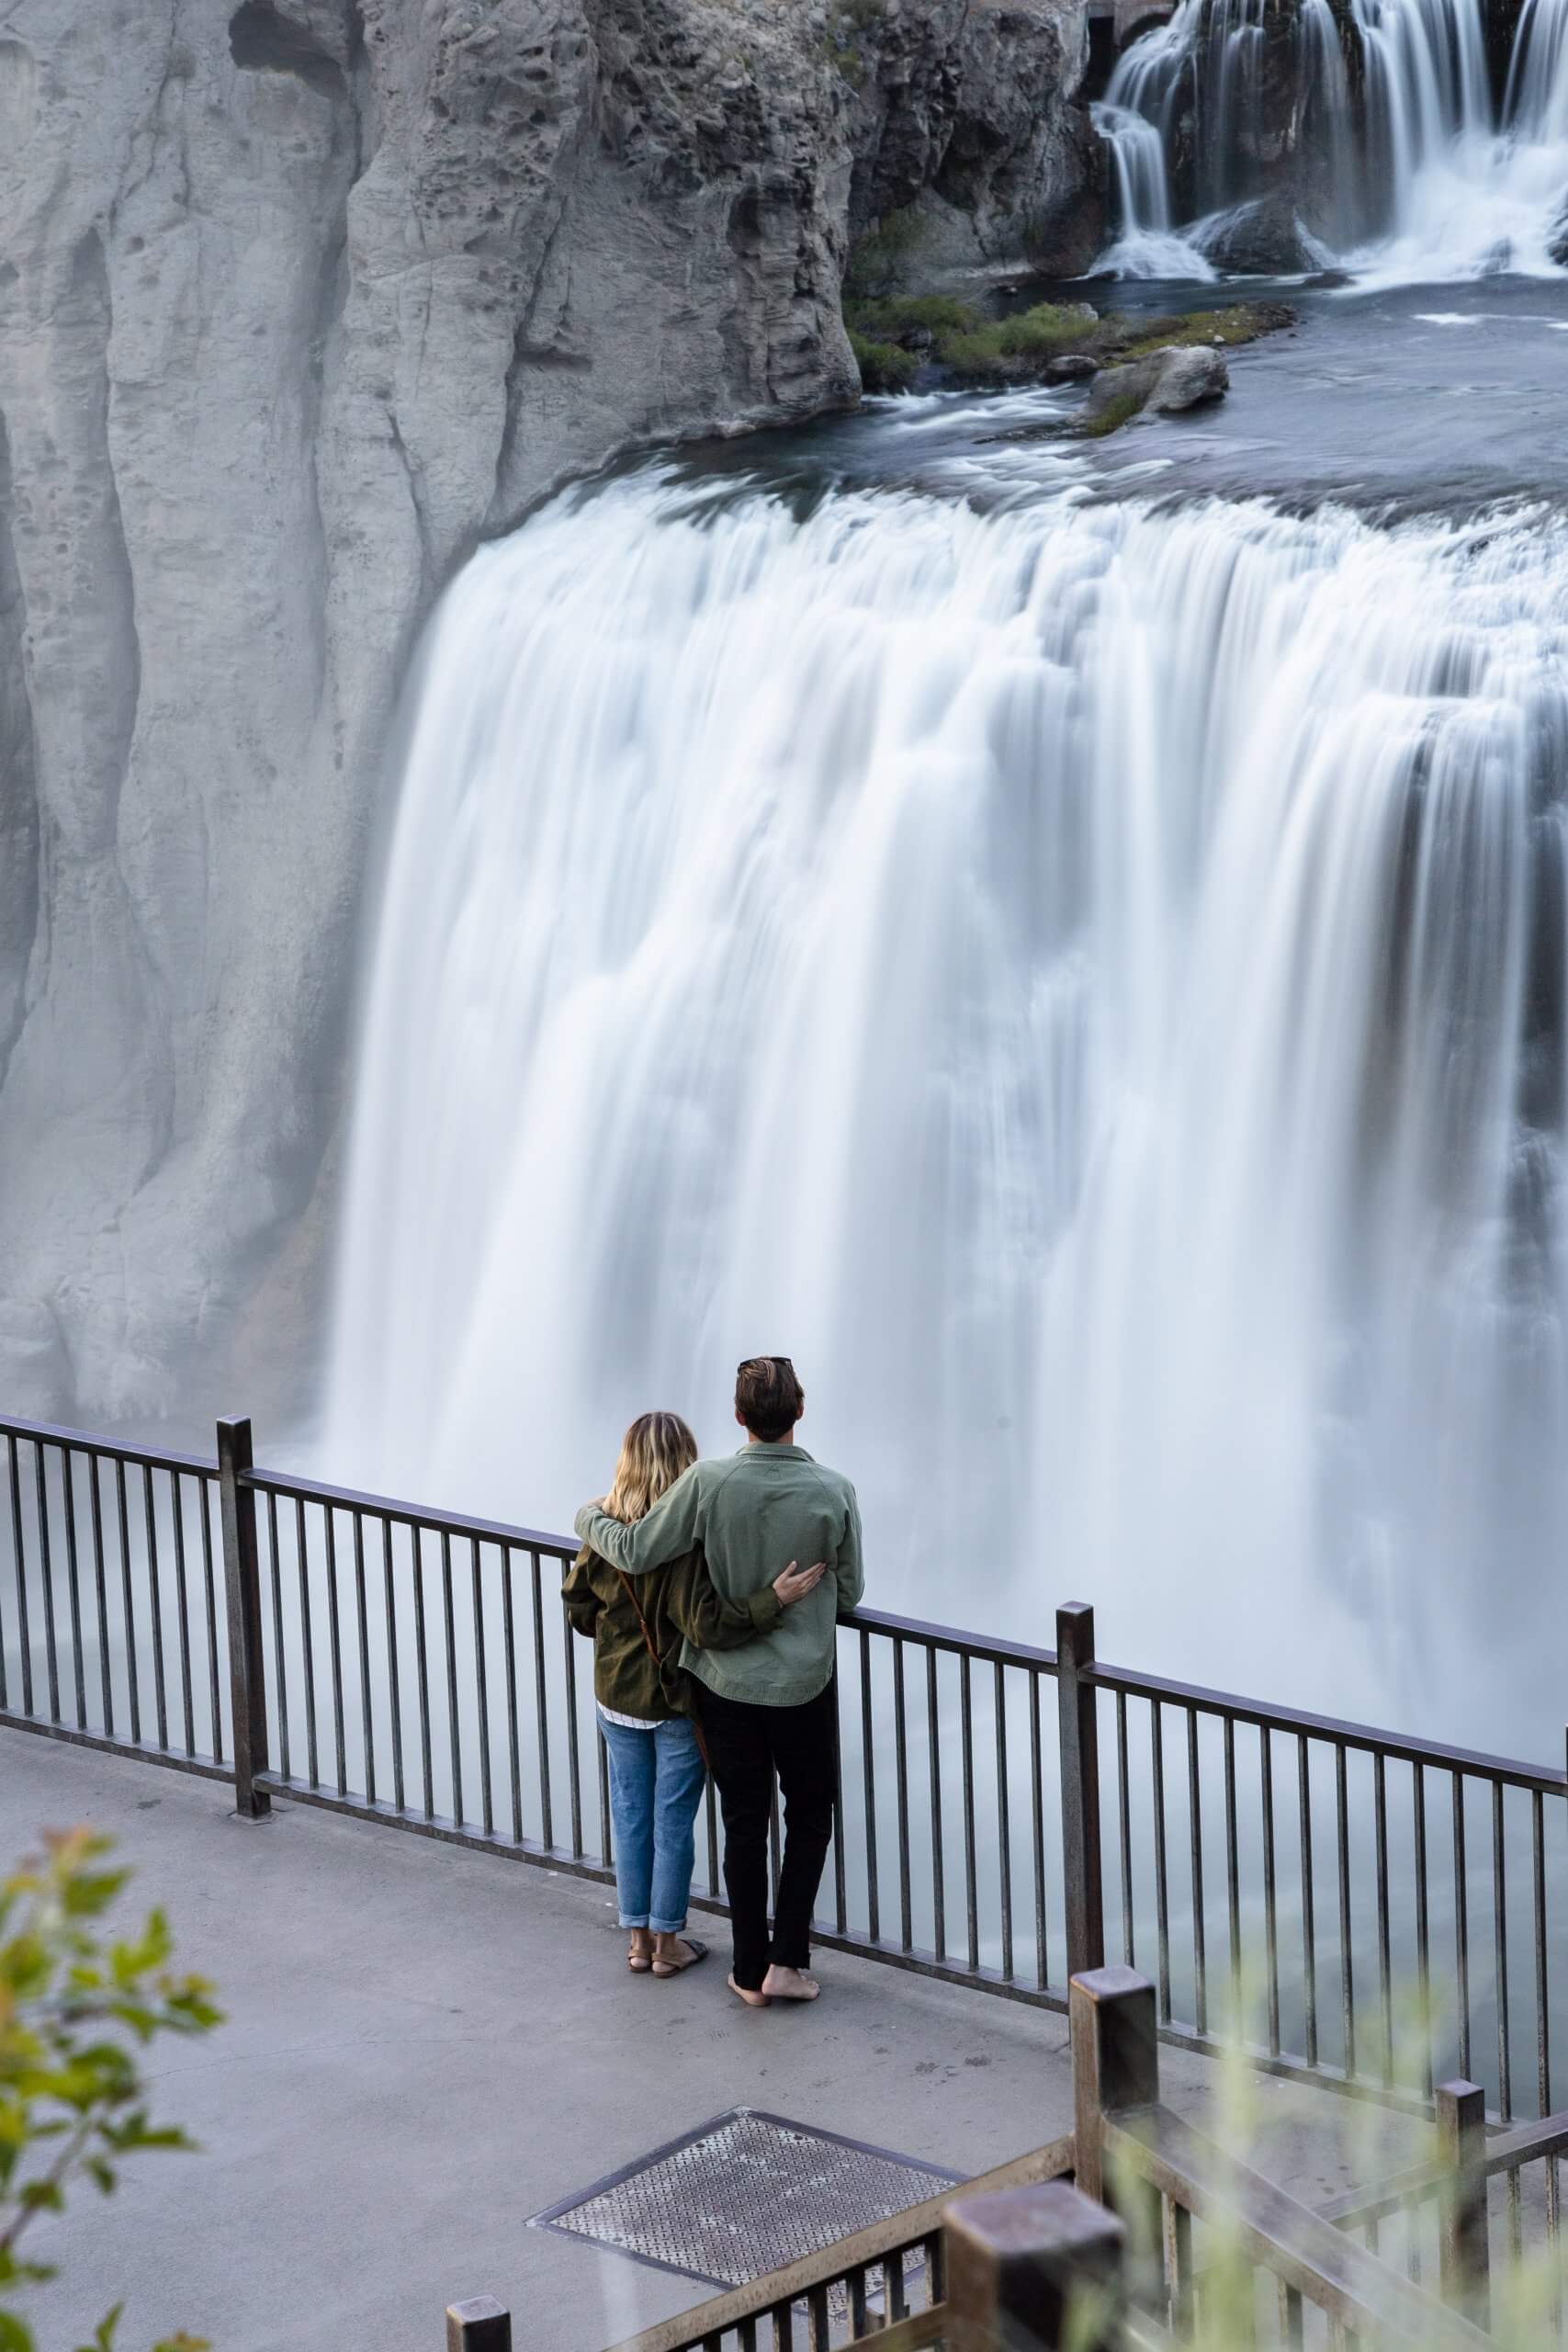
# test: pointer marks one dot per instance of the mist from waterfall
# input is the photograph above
(1418, 178)
(1086, 979)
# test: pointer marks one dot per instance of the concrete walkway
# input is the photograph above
(426, 2046)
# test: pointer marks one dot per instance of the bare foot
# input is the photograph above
(790, 1984)
(752, 2000)
(672, 1954)
(639, 1953)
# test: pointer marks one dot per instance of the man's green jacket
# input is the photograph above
(753, 1512)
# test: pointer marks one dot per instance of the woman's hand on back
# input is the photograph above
(797, 1582)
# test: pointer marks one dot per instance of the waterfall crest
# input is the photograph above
(1402, 165)
(1086, 979)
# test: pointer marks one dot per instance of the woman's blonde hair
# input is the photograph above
(654, 1451)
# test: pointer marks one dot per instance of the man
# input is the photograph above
(770, 1706)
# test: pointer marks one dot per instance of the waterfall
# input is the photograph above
(1085, 978)
(1418, 178)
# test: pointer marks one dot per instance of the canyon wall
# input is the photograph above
(297, 301)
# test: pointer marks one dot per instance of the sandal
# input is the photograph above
(662, 1967)
(639, 1963)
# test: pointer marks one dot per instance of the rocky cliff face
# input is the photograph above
(297, 299)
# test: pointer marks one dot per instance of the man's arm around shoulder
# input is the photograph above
(671, 1527)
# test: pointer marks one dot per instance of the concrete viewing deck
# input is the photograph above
(424, 2046)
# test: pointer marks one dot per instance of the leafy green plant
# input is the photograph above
(76, 2009)
(884, 367)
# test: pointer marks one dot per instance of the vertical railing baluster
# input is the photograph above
(1500, 1950)
(100, 1589)
(394, 1679)
(306, 1643)
(1347, 1958)
(1270, 1885)
(841, 1899)
(24, 1631)
(1385, 1962)
(509, 1646)
(280, 1657)
(873, 1892)
(901, 1782)
(1078, 1740)
(933, 1754)
(155, 1599)
(362, 1616)
(1309, 1901)
(1037, 1827)
(1423, 1922)
(46, 1570)
(1461, 1922)
(574, 1771)
(334, 1650)
(542, 1701)
(128, 1601)
(1232, 1875)
(209, 1590)
(421, 1656)
(74, 1586)
(4, 1685)
(710, 1809)
(481, 1689)
(606, 1841)
(449, 1635)
(971, 1888)
(1004, 1821)
(1542, 2015)
(182, 1600)
(1125, 1830)
(1195, 1840)
(1162, 1883)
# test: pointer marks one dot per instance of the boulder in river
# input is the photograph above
(1072, 367)
(1261, 240)
(1164, 383)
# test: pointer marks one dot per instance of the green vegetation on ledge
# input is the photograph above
(894, 337)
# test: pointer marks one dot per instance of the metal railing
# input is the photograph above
(999, 1803)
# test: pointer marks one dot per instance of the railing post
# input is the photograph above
(480, 2325)
(1079, 1729)
(1032, 2270)
(1111, 2019)
(1463, 2251)
(241, 1585)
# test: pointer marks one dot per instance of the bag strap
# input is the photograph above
(630, 1591)
(695, 1720)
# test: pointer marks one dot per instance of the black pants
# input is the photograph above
(746, 1745)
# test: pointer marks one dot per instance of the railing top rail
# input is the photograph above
(1324, 2265)
(900, 2231)
(1398, 1746)
(111, 1449)
(1506, 2151)
(284, 1484)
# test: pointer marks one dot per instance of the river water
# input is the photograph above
(1068, 941)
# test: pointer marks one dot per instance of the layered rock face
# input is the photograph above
(297, 300)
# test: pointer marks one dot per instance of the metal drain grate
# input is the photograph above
(744, 2195)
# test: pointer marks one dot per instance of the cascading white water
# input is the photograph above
(1088, 980)
(1419, 181)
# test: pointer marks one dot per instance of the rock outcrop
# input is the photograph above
(297, 299)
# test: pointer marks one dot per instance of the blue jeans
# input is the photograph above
(656, 1786)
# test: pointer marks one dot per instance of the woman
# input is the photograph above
(645, 1707)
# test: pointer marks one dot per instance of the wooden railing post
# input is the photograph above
(1079, 1729)
(1032, 2270)
(480, 2325)
(1463, 2251)
(242, 1586)
(1111, 2017)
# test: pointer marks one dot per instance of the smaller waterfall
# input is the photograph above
(1402, 168)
